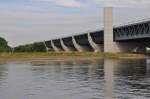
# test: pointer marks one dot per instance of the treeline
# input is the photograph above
(35, 47)
(4, 45)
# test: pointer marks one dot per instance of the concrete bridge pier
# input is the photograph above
(96, 47)
(47, 49)
(77, 46)
(48, 46)
(54, 47)
(66, 48)
(140, 49)
(109, 44)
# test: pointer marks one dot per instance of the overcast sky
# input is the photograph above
(26, 21)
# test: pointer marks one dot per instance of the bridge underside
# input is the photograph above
(86, 42)
(68, 44)
(90, 43)
(134, 45)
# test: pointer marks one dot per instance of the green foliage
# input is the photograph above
(39, 47)
(24, 48)
(3, 42)
(35, 47)
(4, 45)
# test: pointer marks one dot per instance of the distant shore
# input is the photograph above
(68, 55)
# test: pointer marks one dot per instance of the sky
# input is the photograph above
(27, 21)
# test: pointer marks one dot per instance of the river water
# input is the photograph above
(75, 79)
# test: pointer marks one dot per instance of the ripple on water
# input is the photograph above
(75, 79)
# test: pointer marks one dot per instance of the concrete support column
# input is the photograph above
(109, 44)
(76, 45)
(54, 47)
(67, 49)
(47, 49)
(140, 49)
(96, 47)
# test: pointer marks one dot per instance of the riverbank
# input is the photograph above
(68, 55)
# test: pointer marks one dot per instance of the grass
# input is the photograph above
(45, 55)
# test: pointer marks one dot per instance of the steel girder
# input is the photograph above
(136, 31)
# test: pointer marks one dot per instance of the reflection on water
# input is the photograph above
(3, 72)
(109, 78)
(75, 79)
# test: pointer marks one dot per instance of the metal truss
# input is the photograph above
(134, 31)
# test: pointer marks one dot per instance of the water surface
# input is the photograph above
(75, 79)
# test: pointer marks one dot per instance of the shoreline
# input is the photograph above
(68, 55)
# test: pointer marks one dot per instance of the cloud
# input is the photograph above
(102, 3)
(123, 3)
(64, 3)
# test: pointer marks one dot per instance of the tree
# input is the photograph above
(35, 47)
(39, 47)
(4, 45)
(24, 48)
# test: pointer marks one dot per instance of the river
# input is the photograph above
(75, 79)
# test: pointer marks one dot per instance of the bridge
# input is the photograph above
(131, 37)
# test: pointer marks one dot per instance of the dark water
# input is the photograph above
(95, 79)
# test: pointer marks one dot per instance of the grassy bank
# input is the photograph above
(53, 55)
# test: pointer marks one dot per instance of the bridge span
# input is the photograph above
(133, 37)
